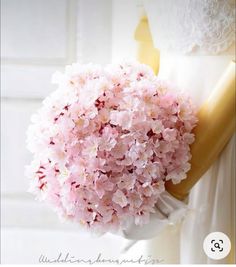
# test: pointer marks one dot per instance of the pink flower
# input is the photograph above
(119, 198)
(121, 118)
(169, 134)
(102, 184)
(147, 189)
(90, 147)
(127, 182)
(135, 200)
(105, 142)
(108, 139)
(157, 126)
(152, 170)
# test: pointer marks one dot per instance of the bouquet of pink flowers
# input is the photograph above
(105, 142)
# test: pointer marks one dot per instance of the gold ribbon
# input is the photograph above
(216, 116)
(146, 53)
(215, 128)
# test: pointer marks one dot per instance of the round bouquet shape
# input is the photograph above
(105, 142)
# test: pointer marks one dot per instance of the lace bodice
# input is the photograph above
(188, 26)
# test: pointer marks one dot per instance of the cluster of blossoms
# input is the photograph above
(105, 142)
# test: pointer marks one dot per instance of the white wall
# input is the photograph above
(125, 17)
(39, 38)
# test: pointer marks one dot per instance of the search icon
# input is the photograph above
(217, 245)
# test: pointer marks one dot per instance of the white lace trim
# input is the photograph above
(192, 25)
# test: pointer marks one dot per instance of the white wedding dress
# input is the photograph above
(196, 39)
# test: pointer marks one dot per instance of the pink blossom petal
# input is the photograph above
(120, 199)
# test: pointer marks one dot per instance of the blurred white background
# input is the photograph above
(40, 37)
